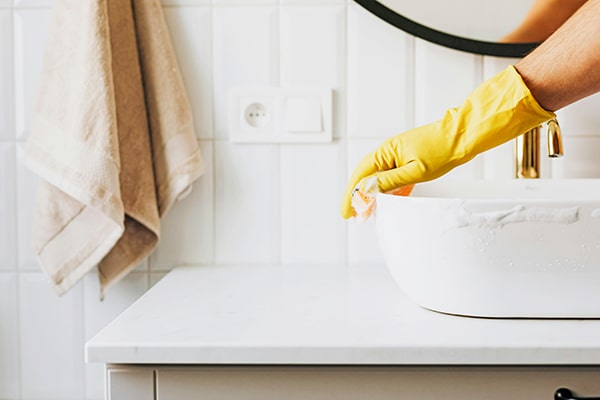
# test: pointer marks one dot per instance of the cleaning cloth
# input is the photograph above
(112, 139)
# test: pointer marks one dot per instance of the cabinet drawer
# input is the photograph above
(373, 383)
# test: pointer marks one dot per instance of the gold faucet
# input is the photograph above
(527, 149)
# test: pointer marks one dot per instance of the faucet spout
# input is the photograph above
(527, 150)
(555, 145)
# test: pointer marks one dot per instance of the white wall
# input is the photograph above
(257, 203)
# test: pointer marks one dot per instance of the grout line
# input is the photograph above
(411, 86)
(279, 147)
(413, 81)
(82, 291)
(212, 178)
(214, 138)
(17, 256)
(344, 139)
(479, 162)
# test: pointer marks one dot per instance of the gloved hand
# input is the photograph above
(500, 109)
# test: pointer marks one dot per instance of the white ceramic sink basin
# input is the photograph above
(517, 248)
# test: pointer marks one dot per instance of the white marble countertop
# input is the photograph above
(321, 315)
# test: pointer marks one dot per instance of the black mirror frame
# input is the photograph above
(515, 50)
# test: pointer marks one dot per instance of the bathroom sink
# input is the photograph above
(512, 249)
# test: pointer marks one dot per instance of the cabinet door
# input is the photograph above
(373, 383)
(130, 384)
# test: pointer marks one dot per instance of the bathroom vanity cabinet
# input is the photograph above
(348, 383)
(327, 332)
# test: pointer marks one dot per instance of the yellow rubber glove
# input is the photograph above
(500, 109)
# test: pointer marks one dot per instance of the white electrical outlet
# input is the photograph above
(257, 115)
(277, 115)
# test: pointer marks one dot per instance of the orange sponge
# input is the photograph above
(363, 199)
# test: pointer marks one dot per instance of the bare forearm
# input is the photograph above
(566, 67)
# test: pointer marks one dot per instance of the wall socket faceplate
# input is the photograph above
(280, 115)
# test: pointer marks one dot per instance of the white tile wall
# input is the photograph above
(192, 219)
(185, 2)
(247, 207)
(51, 339)
(30, 27)
(380, 76)
(312, 52)
(6, 85)
(191, 29)
(244, 2)
(8, 225)
(443, 78)
(580, 159)
(256, 203)
(581, 118)
(27, 184)
(311, 228)
(245, 52)
(9, 337)
(33, 3)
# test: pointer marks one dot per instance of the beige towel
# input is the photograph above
(112, 139)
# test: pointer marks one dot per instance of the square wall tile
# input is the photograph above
(31, 30)
(27, 186)
(495, 65)
(443, 79)
(363, 246)
(184, 2)
(5, 3)
(313, 52)
(380, 77)
(191, 33)
(8, 210)
(581, 118)
(33, 3)
(244, 52)
(499, 162)
(244, 2)
(6, 75)
(312, 230)
(307, 2)
(247, 206)
(187, 230)
(9, 337)
(97, 314)
(580, 159)
(52, 365)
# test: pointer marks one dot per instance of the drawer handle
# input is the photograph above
(566, 394)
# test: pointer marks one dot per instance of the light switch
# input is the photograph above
(303, 114)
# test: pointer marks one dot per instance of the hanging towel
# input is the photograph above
(112, 139)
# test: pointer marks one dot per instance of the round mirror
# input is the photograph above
(475, 26)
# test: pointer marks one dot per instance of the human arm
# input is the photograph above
(564, 69)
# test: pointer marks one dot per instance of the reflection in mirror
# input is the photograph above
(505, 28)
(475, 19)
(434, 35)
